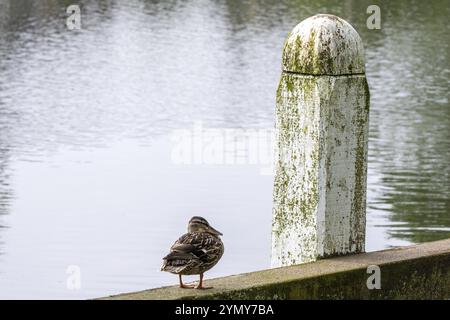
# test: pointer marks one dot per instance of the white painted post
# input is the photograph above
(321, 132)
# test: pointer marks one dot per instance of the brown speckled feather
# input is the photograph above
(193, 253)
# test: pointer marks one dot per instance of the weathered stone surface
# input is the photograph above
(414, 272)
(323, 45)
(321, 136)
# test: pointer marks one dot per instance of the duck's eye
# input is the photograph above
(197, 226)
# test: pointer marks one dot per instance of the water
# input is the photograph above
(88, 179)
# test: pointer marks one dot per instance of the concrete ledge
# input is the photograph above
(414, 272)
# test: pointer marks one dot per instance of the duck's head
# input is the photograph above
(199, 224)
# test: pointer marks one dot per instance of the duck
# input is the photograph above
(195, 252)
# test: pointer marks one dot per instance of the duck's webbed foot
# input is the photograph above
(185, 286)
(200, 284)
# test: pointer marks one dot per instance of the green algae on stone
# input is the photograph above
(412, 272)
(323, 44)
(321, 136)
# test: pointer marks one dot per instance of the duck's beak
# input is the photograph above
(214, 231)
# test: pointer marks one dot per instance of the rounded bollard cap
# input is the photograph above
(324, 44)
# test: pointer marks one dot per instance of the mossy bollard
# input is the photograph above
(321, 136)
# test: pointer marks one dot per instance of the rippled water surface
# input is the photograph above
(88, 118)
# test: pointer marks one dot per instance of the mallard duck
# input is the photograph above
(194, 252)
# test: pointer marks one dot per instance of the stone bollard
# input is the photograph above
(321, 135)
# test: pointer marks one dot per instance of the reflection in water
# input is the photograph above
(410, 122)
(5, 188)
(86, 118)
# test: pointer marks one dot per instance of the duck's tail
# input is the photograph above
(177, 262)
